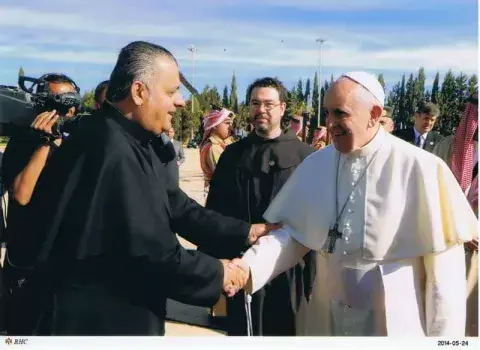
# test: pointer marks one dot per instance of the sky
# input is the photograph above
(253, 38)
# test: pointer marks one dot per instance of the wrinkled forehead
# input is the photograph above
(340, 93)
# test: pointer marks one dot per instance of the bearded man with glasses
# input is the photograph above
(248, 176)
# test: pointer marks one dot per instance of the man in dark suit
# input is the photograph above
(421, 133)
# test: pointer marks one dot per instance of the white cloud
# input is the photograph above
(461, 57)
(44, 20)
(94, 57)
(231, 32)
(227, 43)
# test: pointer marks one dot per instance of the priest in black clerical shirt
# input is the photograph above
(98, 246)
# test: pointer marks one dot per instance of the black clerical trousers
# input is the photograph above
(93, 310)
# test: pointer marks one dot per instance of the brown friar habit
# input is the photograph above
(248, 176)
(99, 236)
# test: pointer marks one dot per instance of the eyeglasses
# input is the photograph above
(268, 105)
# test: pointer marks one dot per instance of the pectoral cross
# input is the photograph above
(333, 235)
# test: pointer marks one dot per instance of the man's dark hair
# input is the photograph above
(136, 61)
(268, 82)
(53, 78)
(429, 109)
(99, 89)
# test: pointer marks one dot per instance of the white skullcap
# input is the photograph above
(369, 82)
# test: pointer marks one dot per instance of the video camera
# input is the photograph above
(20, 105)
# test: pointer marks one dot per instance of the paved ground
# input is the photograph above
(191, 181)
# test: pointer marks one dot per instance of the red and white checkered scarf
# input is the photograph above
(213, 119)
(463, 148)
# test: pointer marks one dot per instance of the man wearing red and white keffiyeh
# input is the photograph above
(217, 131)
(464, 161)
(460, 152)
(465, 156)
(464, 146)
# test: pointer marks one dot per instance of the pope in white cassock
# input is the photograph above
(387, 219)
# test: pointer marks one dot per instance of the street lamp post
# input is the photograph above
(321, 41)
(193, 49)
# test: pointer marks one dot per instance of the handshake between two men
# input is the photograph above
(236, 271)
(236, 276)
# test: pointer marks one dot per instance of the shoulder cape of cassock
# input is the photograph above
(413, 204)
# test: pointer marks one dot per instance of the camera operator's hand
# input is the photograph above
(44, 123)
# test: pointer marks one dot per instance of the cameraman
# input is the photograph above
(25, 157)
(27, 152)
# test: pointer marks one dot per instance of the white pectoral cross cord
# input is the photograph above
(334, 234)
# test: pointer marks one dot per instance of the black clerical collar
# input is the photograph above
(128, 125)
